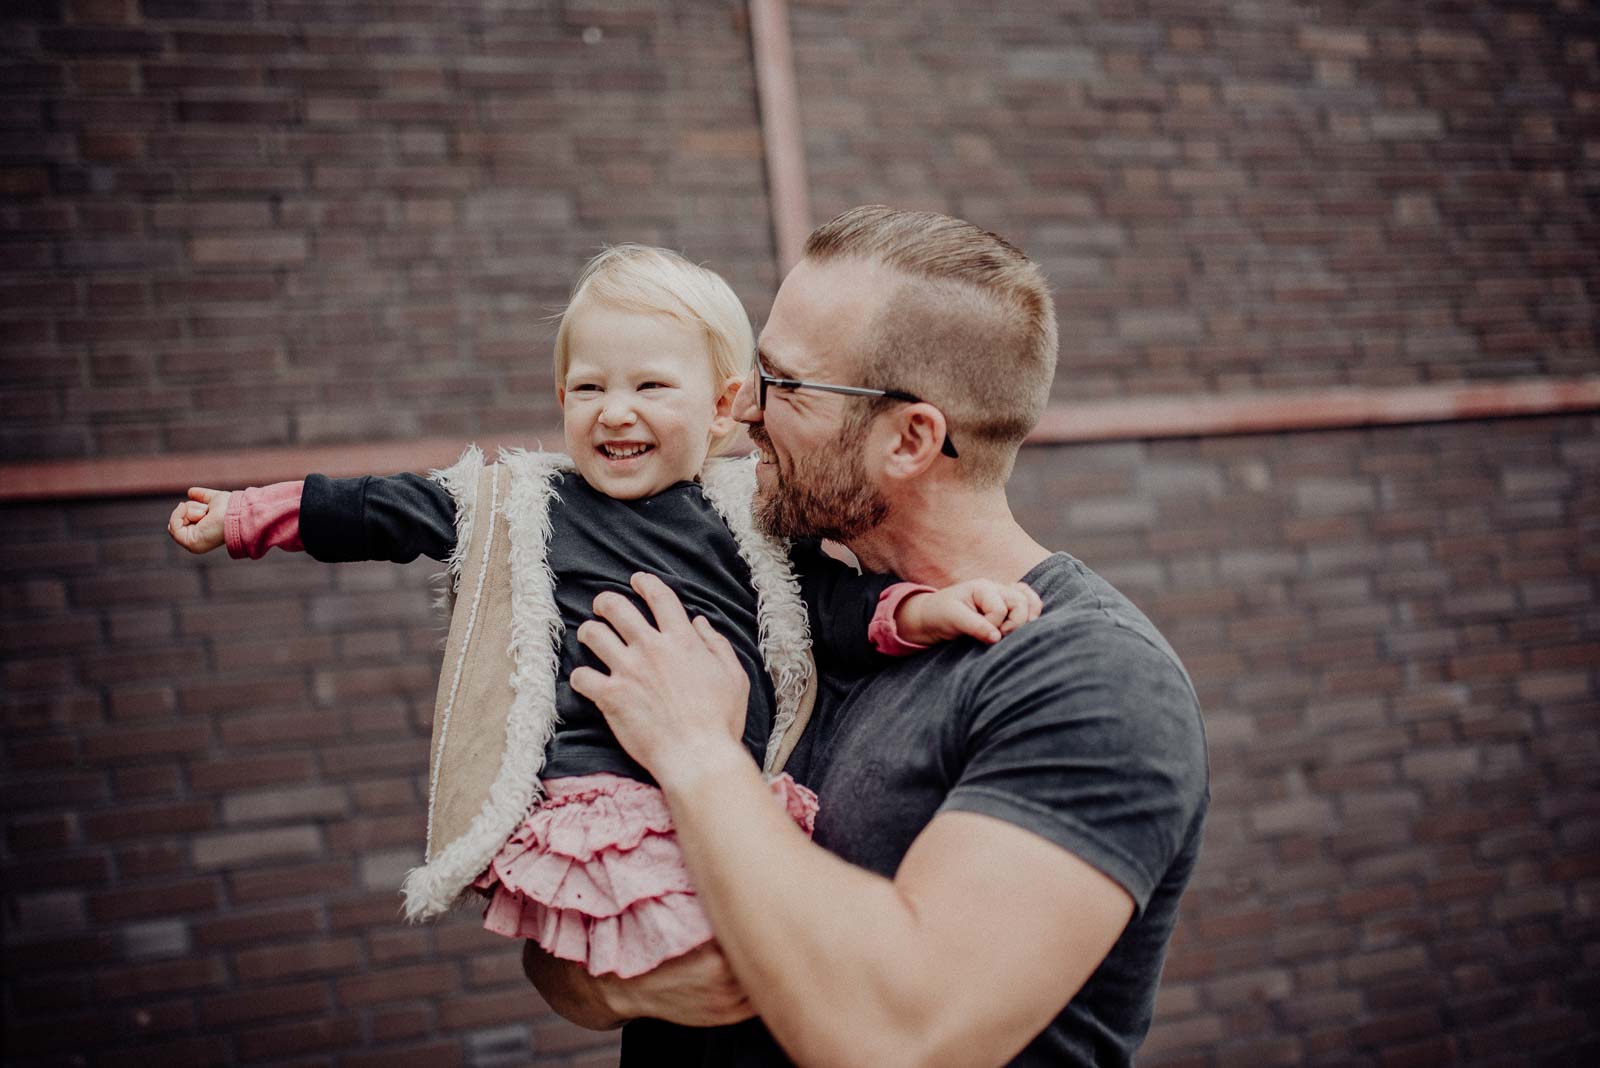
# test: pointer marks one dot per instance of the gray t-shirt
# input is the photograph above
(1081, 727)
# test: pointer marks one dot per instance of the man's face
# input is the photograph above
(812, 478)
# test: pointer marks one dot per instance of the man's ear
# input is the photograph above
(919, 432)
(723, 422)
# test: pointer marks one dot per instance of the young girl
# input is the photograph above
(648, 357)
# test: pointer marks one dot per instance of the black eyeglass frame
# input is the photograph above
(766, 381)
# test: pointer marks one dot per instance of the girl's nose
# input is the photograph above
(616, 413)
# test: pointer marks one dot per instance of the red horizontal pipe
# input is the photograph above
(1325, 409)
(1110, 420)
(135, 476)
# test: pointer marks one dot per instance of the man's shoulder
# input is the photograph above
(1090, 650)
(1085, 615)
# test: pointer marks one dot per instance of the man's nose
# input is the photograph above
(745, 408)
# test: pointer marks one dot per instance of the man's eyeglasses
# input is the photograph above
(766, 381)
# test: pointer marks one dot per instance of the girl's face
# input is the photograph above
(639, 405)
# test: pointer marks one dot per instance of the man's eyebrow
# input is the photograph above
(774, 368)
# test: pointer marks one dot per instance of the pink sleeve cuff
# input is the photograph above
(882, 631)
(262, 519)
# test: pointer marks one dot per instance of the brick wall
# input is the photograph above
(1230, 196)
(241, 224)
(1395, 640)
(270, 222)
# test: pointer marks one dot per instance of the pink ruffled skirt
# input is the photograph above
(594, 875)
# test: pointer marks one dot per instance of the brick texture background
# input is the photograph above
(286, 221)
(1232, 196)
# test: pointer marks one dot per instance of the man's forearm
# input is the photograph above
(827, 951)
(568, 989)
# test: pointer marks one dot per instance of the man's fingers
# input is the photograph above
(589, 682)
(664, 604)
(624, 618)
(602, 642)
(714, 639)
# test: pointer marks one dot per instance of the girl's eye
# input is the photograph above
(585, 387)
(651, 385)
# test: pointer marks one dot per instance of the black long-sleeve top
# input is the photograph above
(596, 543)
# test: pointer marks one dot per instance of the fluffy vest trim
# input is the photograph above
(496, 711)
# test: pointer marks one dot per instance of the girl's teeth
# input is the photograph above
(624, 452)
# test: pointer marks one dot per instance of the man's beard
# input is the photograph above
(825, 496)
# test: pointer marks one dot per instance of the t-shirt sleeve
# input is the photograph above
(373, 518)
(1090, 736)
(840, 603)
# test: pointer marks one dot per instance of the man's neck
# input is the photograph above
(950, 535)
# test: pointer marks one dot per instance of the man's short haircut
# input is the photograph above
(971, 329)
(658, 281)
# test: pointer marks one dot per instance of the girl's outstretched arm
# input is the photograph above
(332, 519)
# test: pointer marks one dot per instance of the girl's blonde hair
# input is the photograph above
(657, 281)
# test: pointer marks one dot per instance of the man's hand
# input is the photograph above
(676, 694)
(696, 990)
(197, 523)
(979, 608)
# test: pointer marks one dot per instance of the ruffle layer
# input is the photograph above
(594, 875)
(629, 944)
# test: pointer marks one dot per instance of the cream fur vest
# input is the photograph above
(495, 711)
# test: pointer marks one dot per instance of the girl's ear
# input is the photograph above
(723, 422)
(561, 396)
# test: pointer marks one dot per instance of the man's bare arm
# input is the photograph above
(568, 989)
(697, 989)
(984, 934)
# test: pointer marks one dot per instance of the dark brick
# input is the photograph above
(132, 822)
(196, 973)
(253, 926)
(95, 39)
(398, 984)
(246, 772)
(154, 741)
(193, 895)
(287, 1039)
(311, 958)
(237, 111)
(261, 1003)
(298, 880)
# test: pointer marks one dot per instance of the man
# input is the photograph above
(1005, 831)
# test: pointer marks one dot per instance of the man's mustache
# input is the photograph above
(759, 436)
